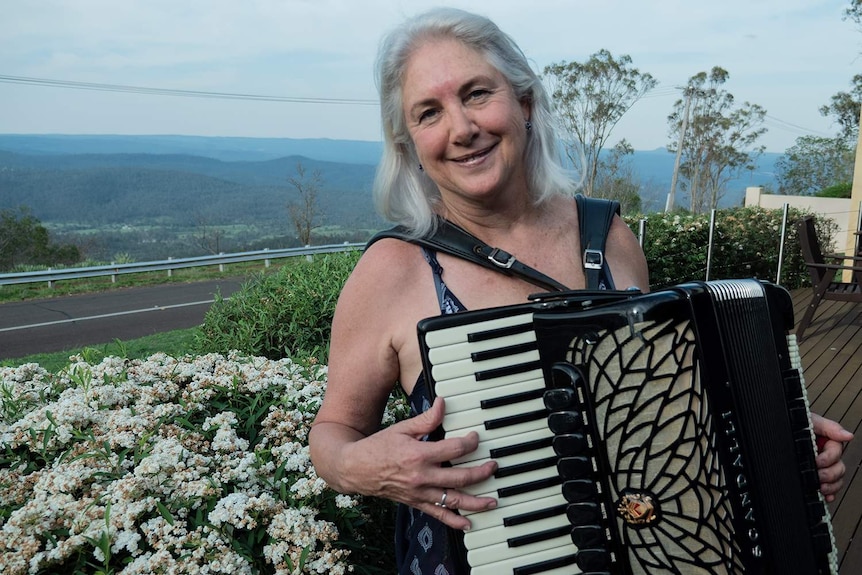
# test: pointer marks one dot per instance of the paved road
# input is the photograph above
(57, 324)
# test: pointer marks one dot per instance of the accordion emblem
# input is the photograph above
(665, 433)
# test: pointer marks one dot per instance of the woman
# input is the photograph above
(468, 136)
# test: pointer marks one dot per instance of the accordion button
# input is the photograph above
(569, 444)
(583, 513)
(593, 559)
(578, 490)
(588, 536)
(565, 421)
(557, 399)
(574, 467)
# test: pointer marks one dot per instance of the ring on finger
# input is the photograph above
(442, 502)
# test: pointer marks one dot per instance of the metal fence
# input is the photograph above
(169, 265)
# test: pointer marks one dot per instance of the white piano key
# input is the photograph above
(472, 400)
(502, 553)
(465, 367)
(483, 452)
(505, 502)
(476, 417)
(468, 383)
(508, 566)
(464, 350)
(494, 517)
(489, 434)
(494, 484)
(475, 540)
(457, 334)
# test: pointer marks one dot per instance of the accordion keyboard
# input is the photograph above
(490, 375)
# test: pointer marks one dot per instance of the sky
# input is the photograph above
(313, 61)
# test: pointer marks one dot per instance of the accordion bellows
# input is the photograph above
(665, 433)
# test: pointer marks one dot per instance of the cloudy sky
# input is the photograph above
(63, 62)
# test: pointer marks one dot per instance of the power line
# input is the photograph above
(182, 93)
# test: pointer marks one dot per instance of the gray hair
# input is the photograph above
(402, 192)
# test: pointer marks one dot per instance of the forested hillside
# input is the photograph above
(149, 197)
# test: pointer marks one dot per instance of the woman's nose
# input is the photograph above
(463, 128)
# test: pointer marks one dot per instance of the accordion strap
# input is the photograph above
(595, 218)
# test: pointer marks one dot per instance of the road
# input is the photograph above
(68, 322)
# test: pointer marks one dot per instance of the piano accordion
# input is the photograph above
(645, 434)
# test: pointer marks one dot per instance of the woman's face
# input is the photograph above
(465, 122)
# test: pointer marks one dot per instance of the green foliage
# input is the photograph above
(24, 240)
(746, 244)
(814, 163)
(842, 190)
(287, 313)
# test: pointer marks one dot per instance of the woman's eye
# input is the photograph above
(478, 94)
(427, 115)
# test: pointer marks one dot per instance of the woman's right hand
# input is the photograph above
(396, 464)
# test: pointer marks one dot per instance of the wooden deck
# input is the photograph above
(832, 365)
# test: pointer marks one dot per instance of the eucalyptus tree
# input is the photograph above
(814, 163)
(845, 109)
(590, 98)
(719, 139)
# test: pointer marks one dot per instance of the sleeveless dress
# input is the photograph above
(424, 545)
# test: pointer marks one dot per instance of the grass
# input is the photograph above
(174, 343)
(22, 292)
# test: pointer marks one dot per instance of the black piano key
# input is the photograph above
(578, 490)
(499, 332)
(584, 513)
(565, 421)
(515, 419)
(529, 486)
(534, 515)
(559, 399)
(499, 452)
(570, 444)
(810, 480)
(489, 374)
(536, 568)
(513, 398)
(574, 467)
(504, 351)
(792, 384)
(798, 414)
(821, 541)
(538, 536)
(509, 470)
(588, 536)
(816, 511)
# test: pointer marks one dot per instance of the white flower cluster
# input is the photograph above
(151, 467)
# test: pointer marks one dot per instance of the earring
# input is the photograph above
(529, 126)
(421, 169)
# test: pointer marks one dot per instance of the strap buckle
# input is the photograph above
(593, 259)
(506, 259)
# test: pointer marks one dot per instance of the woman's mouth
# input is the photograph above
(473, 158)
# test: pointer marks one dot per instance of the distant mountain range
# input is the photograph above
(167, 180)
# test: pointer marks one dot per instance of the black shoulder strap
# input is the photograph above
(594, 219)
(456, 241)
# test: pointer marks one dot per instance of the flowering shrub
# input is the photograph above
(190, 465)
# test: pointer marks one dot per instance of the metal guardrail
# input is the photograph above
(169, 265)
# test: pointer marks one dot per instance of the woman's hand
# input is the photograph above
(396, 464)
(831, 438)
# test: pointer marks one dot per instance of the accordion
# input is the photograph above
(635, 434)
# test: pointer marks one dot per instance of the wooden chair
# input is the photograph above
(824, 271)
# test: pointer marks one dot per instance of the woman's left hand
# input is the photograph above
(831, 438)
